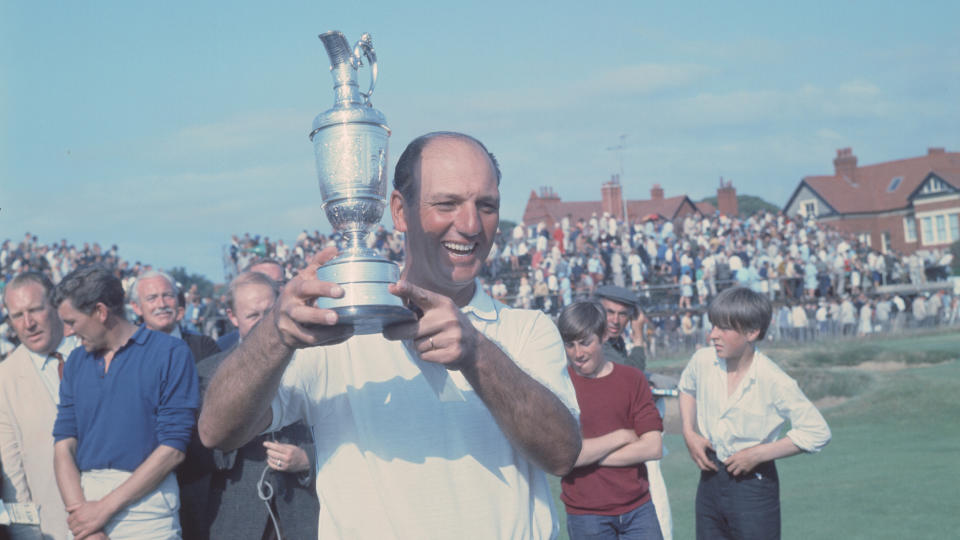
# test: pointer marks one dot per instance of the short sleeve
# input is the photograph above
(646, 417)
(299, 384)
(541, 355)
(690, 376)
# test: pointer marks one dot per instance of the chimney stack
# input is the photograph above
(727, 199)
(656, 192)
(613, 197)
(935, 151)
(845, 164)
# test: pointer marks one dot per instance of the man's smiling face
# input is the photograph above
(451, 226)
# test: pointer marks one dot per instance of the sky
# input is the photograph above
(167, 127)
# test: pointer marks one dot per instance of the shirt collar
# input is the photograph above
(67, 344)
(751, 371)
(482, 306)
(140, 336)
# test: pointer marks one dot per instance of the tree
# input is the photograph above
(748, 205)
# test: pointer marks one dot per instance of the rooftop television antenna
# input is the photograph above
(619, 150)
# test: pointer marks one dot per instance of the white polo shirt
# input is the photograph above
(396, 461)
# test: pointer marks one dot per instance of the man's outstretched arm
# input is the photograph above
(236, 406)
(529, 414)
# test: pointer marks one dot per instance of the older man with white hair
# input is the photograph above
(154, 297)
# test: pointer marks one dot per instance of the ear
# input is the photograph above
(752, 335)
(398, 211)
(233, 318)
(180, 311)
(101, 312)
(136, 309)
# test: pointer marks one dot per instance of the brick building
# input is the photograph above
(547, 207)
(905, 205)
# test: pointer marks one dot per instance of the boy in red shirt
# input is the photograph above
(606, 495)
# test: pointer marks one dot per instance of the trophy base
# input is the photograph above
(366, 304)
(373, 319)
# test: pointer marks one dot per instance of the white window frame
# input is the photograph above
(926, 230)
(909, 233)
(809, 207)
(936, 228)
(865, 238)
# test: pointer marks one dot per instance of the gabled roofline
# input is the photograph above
(686, 198)
(811, 188)
(932, 174)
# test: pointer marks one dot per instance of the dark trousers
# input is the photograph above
(745, 507)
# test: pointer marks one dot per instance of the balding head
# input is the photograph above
(406, 175)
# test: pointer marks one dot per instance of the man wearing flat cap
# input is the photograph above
(621, 306)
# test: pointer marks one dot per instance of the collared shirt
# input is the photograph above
(148, 397)
(756, 411)
(47, 365)
(395, 460)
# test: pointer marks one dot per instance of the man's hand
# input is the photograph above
(300, 323)
(286, 457)
(744, 461)
(698, 445)
(747, 459)
(443, 334)
(87, 518)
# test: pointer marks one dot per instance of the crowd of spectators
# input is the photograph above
(815, 275)
(822, 282)
(200, 314)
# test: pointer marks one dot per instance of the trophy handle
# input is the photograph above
(365, 45)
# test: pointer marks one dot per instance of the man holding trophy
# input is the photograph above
(436, 421)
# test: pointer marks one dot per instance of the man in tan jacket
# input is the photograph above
(29, 393)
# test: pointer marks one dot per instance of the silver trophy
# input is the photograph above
(350, 145)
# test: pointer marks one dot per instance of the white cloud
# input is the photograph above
(829, 134)
(639, 79)
(254, 131)
(594, 88)
(859, 89)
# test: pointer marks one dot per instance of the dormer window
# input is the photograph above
(894, 184)
(935, 185)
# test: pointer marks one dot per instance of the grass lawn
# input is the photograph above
(892, 468)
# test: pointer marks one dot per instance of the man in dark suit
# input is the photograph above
(283, 459)
(154, 298)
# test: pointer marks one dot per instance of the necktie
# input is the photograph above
(59, 358)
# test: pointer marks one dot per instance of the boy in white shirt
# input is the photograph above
(734, 401)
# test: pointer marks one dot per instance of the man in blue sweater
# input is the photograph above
(128, 403)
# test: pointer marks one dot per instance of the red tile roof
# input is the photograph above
(543, 209)
(868, 190)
